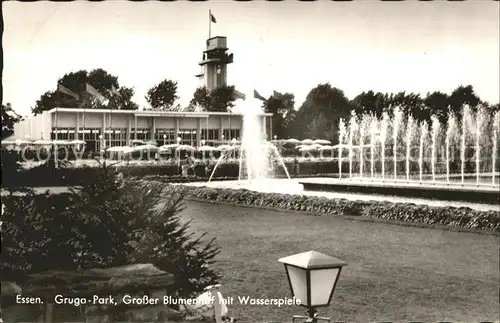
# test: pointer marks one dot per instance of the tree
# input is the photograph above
(324, 100)
(162, 96)
(409, 104)
(101, 80)
(201, 98)
(217, 100)
(105, 222)
(222, 98)
(371, 102)
(463, 95)
(9, 118)
(319, 127)
(283, 109)
(167, 242)
(364, 103)
(438, 105)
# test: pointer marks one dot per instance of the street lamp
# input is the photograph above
(275, 137)
(234, 141)
(179, 140)
(222, 138)
(203, 142)
(164, 138)
(313, 277)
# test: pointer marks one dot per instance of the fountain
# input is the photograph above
(475, 126)
(342, 135)
(496, 130)
(480, 118)
(352, 128)
(409, 137)
(362, 131)
(373, 134)
(396, 124)
(423, 136)
(435, 125)
(451, 131)
(477, 133)
(383, 137)
(466, 122)
(462, 133)
(256, 154)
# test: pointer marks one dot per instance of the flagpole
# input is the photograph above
(57, 118)
(209, 24)
(82, 98)
(111, 134)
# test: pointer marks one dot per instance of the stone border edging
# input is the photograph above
(359, 218)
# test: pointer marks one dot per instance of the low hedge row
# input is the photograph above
(46, 175)
(407, 212)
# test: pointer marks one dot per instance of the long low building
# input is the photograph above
(101, 128)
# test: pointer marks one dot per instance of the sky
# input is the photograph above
(285, 46)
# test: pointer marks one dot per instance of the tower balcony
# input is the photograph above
(216, 58)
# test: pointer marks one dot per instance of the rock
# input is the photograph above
(10, 289)
(124, 279)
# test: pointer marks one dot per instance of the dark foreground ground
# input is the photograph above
(394, 273)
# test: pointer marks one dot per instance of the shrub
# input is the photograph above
(47, 174)
(106, 222)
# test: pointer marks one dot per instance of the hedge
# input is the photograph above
(408, 212)
(45, 176)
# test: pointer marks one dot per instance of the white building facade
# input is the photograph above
(101, 128)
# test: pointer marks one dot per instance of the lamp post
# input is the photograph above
(275, 137)
(222, 138)
(203, 142)
(313, 277)
(164, 139)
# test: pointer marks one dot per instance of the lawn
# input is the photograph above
(394, 273)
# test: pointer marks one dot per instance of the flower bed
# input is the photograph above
(406, 212)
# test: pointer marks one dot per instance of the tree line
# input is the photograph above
(317, 117)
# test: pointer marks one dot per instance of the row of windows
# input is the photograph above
(118, 137)
(144, 134)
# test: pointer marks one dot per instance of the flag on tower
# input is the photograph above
(277, 95)
(67, 91)
(238, 95)
(92, 91)
(258, 96)
(212, 18)
(114, 90)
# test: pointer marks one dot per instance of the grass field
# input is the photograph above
(394, 273)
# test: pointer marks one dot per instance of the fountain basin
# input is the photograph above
(433, 191)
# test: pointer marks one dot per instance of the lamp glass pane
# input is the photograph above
(322, 282)
(298, 281)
